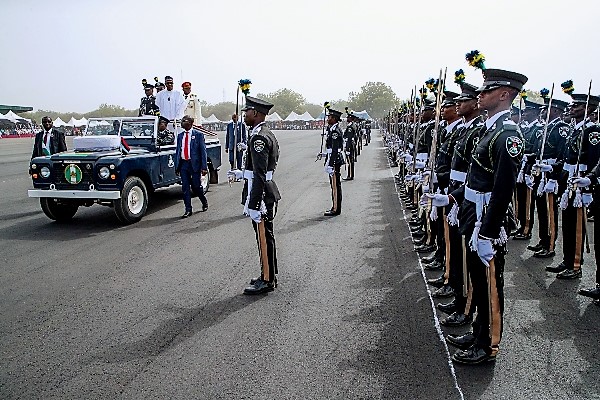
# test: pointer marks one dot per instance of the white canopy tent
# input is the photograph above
(59, 122)
(273, 117)
(72, 122)
(305, 117)
(292, 117)
(81, 122)
(211, 119)
(16, 118)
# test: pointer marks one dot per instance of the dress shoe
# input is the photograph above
(204, 207)
(420, 242)
(444, 291)
(543, 253)
(437, 282)
(473, 355)
(259, 287)
(418, 235)
(254, 280)
(456, 319)
(594, 293)
(536, 248)
(448, 308)
(428, 259)
(461, 341)
(347, 179)
(522, 236)
(186, 214)
(559, 268)
(590, 218)
(569, 274)
(434, 266)
(517, 232)
(411, 207)
(425, 248)
(331, 213)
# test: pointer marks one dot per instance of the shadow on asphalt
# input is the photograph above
(171, 332)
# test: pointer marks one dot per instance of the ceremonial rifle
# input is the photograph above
(541, 156)
(585, 115)
(326, 107)
(438, 108)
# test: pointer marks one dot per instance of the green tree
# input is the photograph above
(222, 111)
(285, 101)
(375, 97)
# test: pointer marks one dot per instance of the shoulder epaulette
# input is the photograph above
(509, 125)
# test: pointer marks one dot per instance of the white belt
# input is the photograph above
(480, 199)
(458, 176)
(422, 156)
(250, 175)
(571, 168)
(549, 161)
(328, 151)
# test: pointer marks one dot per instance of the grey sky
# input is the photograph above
(74, 55)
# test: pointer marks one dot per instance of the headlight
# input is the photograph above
(45, 172)
(33, 166)
(104, 173)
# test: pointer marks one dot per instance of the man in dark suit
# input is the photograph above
(49, 140)
(190, 163)
(236, 133)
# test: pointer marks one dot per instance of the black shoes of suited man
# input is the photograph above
(540, 251)
(259, 286)
(189, 213)
(522, 236)
(347, 179)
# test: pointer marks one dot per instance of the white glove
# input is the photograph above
(347, 153)
(329, 170)
(255, 215)
(324, 154)
(234, 174)
(241, 146)
(544, 167)
(426, 173)
(550, 186)
(420, 164)
(425, 188)
(529, 181)
(437, 199)
(581, 182)
(485, 251)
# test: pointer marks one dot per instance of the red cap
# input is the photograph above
(184, 84)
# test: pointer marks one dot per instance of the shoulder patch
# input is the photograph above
(334, 134)
(514, 146)
(594, 138)
(563, 131)
(259, 145)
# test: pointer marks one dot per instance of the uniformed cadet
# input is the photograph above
(158, 85)
(335, 159)
(467, 135)
(546, 196)
(164, 137)
(592, 179)
(350, 135)
(582, 149)
(367, 133)
(261, 192)
(147, 103)
(484, 201)
(531, 128)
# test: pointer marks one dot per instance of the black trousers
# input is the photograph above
(350, 164)
(456, 276)
(482, 301)
(270, 238)
(522, 211)
(541, 203)
(572, 253)
(336, 190)
(189, 178)
(595, 209)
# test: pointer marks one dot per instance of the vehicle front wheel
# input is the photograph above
(59, 212)
(132, 205)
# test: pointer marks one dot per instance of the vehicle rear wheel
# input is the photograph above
(205, 181)
(214, 175)
(132, 205)
(57, 211)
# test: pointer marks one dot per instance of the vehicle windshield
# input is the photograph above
(125, 127)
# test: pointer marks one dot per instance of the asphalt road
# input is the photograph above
(154, 310)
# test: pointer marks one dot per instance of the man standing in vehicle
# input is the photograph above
(49, 140)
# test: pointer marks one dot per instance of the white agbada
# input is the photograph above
(171, 104)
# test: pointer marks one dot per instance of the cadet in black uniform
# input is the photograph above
(585, 136)
(484, 204)
(261, 191)
(350, 144)
(147, 105)
(546, 197)
(164, 137)
(335, 159)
